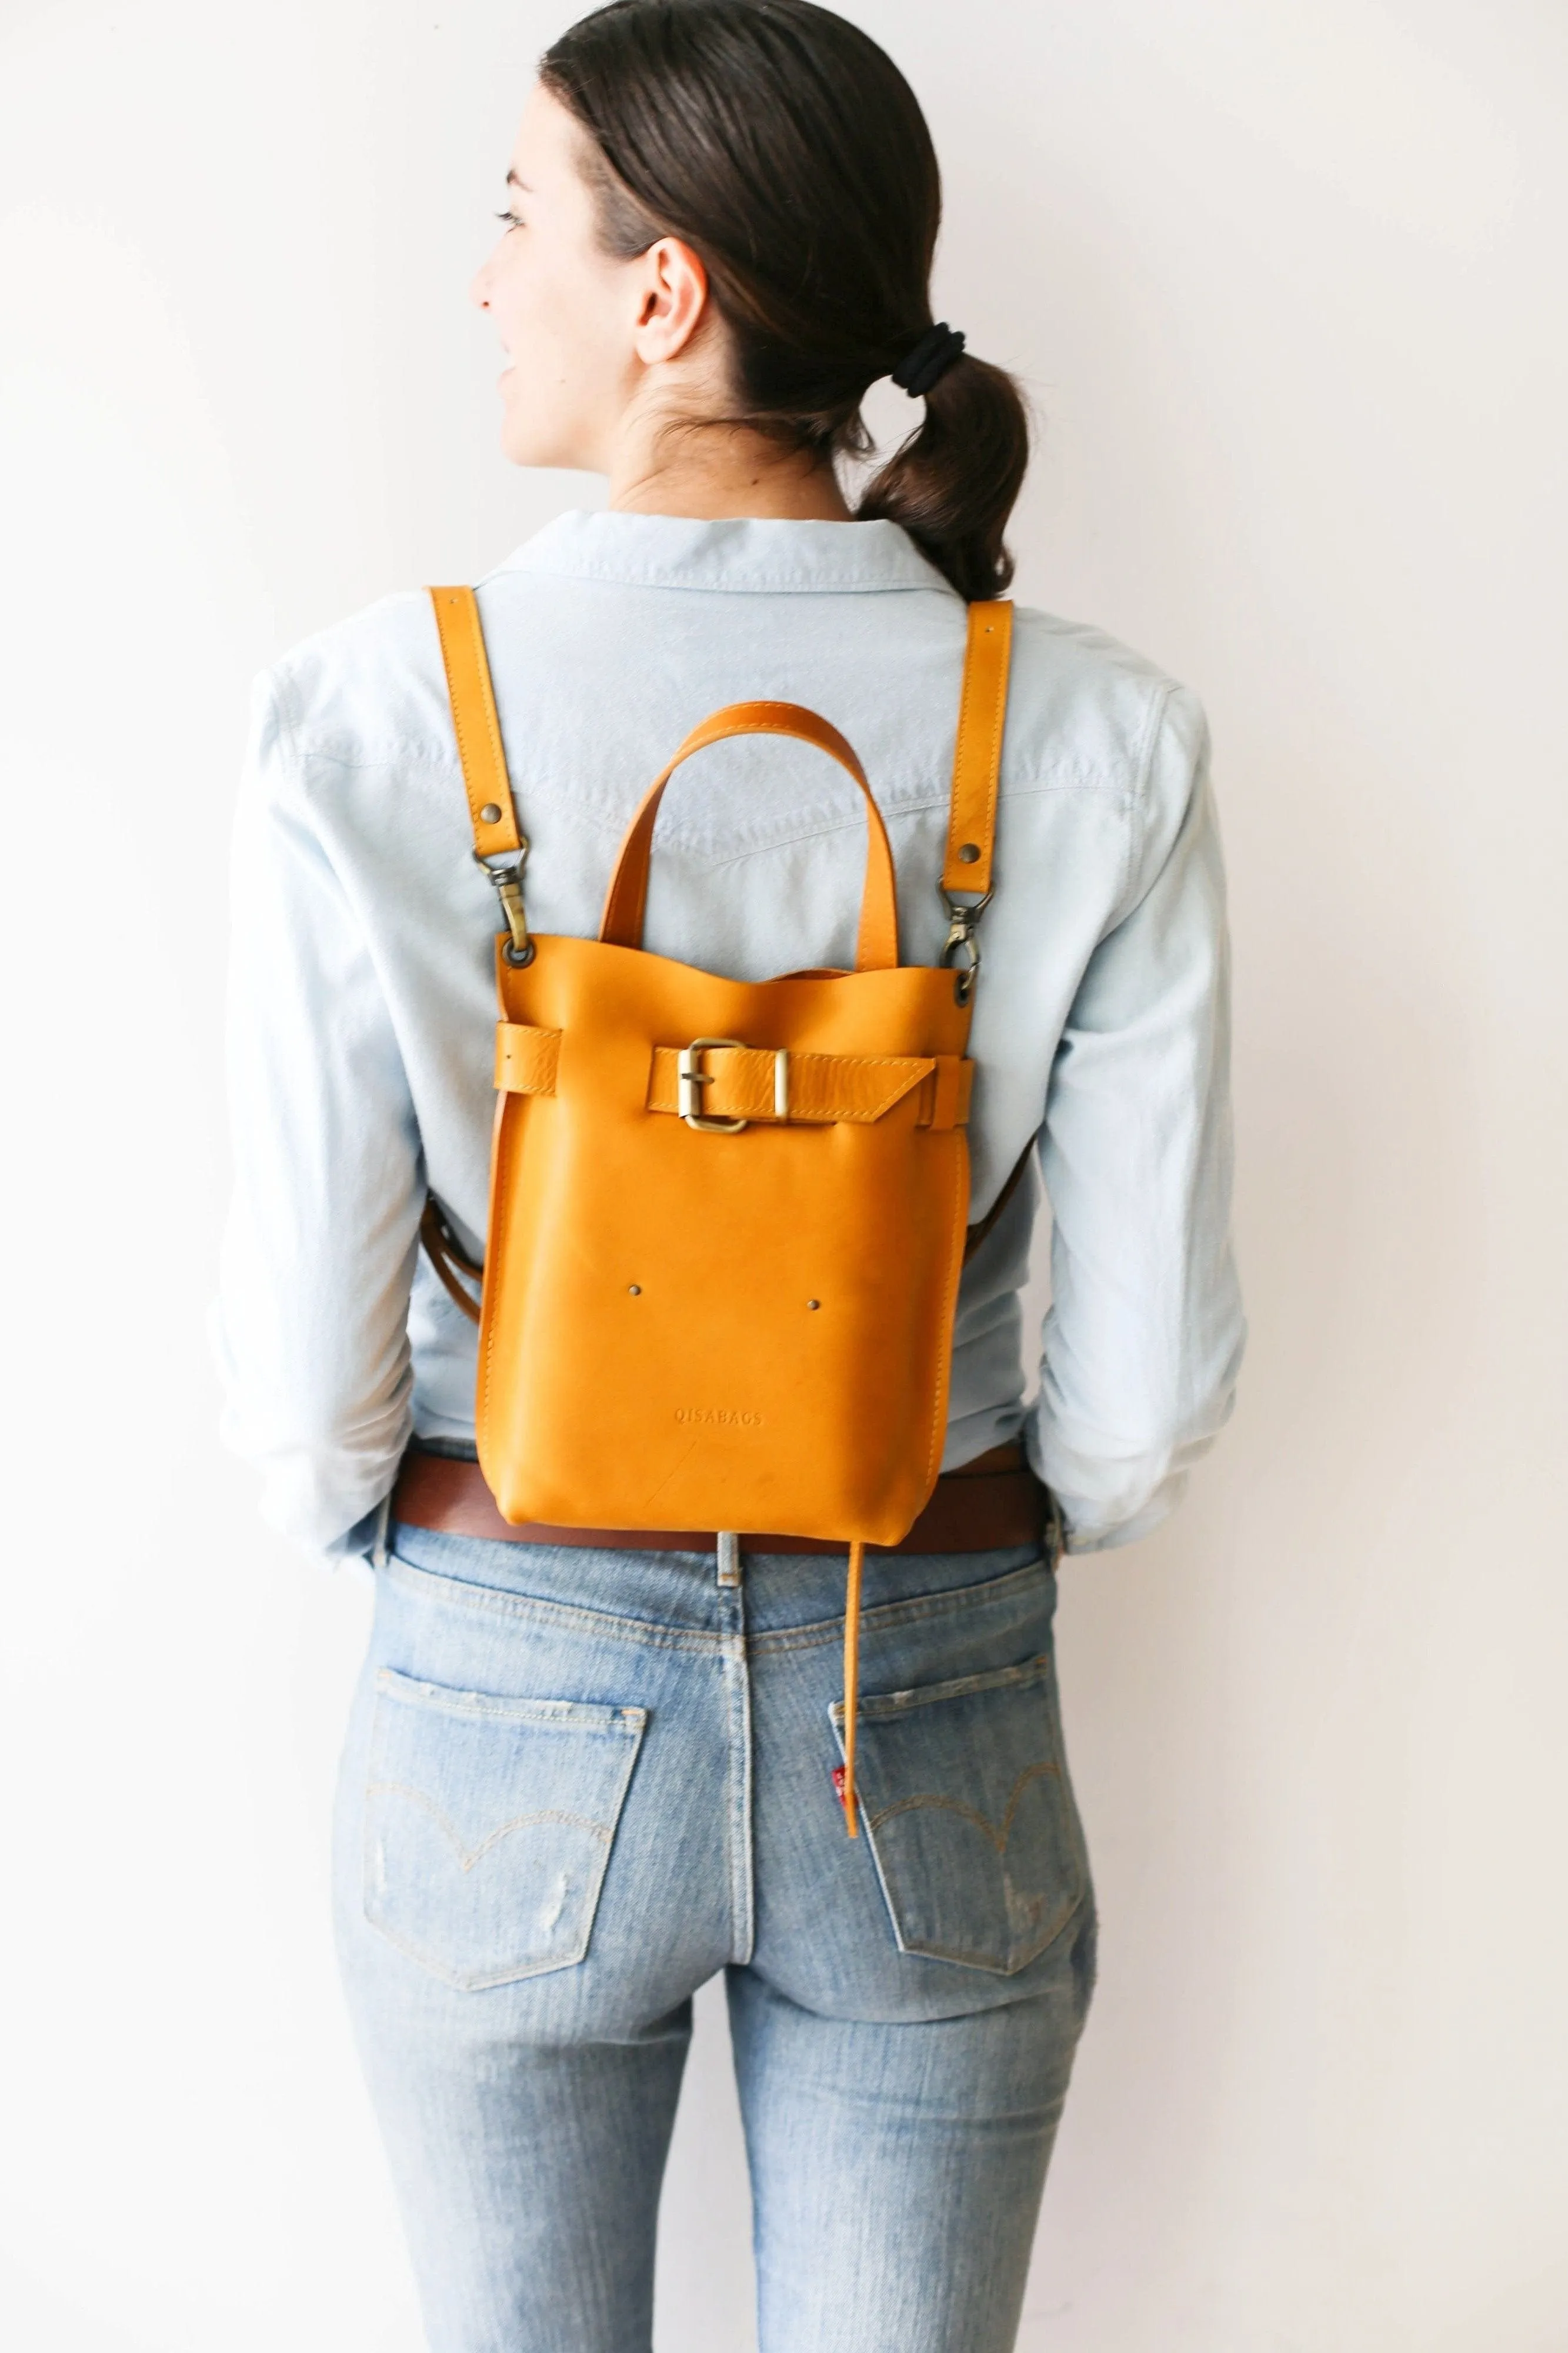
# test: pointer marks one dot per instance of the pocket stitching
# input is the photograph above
(451, 1699)
(630, 1730)
(459, 1593)
(934, 1798)
(895, 1615)
(988, 1961)
(900, 1706)
(882, 1707)
(469, 1856)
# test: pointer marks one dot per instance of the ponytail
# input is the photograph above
(955, 482)
(787, 149)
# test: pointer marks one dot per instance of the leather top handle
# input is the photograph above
(977, 758)
(877, 947)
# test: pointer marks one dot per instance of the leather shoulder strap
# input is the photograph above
(977, 758)
(475, 721)
(977, 761)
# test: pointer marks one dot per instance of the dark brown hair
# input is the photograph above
(787, 150)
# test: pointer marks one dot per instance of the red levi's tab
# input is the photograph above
(838, 1782)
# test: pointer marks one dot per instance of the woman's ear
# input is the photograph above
(673, 300)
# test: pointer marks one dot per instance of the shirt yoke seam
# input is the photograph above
(610, 825)
(281, 688)
(1137, 803)
(438, 756)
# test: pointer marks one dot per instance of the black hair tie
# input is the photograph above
(929, 360)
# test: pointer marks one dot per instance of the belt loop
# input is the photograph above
(378, 1549)
(728, 1550)
(944, 1110)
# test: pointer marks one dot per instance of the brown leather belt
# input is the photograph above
(993, 1501)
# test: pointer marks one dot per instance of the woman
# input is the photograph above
(720, 226)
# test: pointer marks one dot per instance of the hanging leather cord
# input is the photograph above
(851, 1681)
(441, 1248)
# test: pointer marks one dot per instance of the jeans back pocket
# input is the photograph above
(966, 1799)
(488, 1824)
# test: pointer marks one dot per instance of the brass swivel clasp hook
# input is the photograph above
(961, 942)
(508, 884)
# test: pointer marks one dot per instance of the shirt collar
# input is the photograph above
(747, 551)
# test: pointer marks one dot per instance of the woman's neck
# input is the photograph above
(712, 474)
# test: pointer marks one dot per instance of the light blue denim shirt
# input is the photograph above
(362, 999)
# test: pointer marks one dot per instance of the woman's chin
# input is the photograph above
(520, 448)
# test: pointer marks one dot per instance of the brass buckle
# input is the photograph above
(691, 1077)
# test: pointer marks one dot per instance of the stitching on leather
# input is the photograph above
(502, 1155)
(994, 747)
(960, 764)
(985, 828)
(455, 700)
(475, 793)
(990, 779)
(954, 1273)
(861, 1114)
(488, 719)
(510, 1058)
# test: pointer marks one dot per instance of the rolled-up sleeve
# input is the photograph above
(309, 1326)
(1145, 1334)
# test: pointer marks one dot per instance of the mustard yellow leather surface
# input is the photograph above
(737, 1328)
(649, 1353)
(977, 761)
(526, 1059)
(745, 1084)
(475, 722)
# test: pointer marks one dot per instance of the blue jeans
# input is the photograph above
(576, 1784)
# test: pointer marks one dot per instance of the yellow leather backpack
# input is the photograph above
(726, 1218)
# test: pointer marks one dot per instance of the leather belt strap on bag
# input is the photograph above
(754, 1083)
(750, 1083)
(993, 1501)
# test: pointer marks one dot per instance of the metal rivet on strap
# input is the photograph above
(636, 1289)
(490, 813)
(970, 853)
(813, 1303)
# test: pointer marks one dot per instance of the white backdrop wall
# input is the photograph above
(1286, 281)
